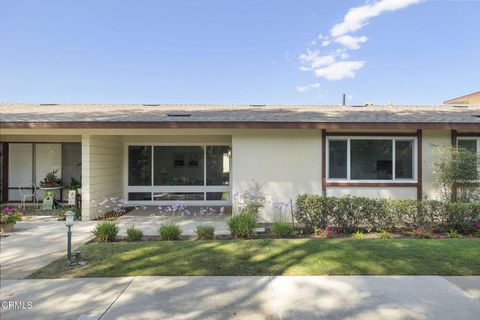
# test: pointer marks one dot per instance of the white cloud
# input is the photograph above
(352, 43)
(326, 65)
(339, 70)
(358, 17)
(309, 87)
(313, 59)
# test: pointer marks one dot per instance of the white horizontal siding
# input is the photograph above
(102, 171)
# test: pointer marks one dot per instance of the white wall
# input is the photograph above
(431, 140)
(285, 162)
(102, 171)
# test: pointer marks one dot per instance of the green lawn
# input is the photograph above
(274, 257)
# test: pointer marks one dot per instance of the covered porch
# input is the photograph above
(154, 170)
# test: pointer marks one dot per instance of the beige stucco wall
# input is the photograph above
(431, 140)
(374, 192)
(102, 171)
(285, 162)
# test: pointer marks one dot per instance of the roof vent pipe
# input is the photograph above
(344, 100)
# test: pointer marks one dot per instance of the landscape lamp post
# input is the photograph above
(69, 215)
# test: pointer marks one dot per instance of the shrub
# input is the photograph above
(282, 230)
(349, 213)
(134, 234)
(452, 234)
(358, 235)
(242, 225)
(170, 231)
(105, 231)
(205, 232)
(385, 235)
(313, 211)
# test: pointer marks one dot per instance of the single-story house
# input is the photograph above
(155, 154)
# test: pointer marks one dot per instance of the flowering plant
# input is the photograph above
(326, 233)
(10, 215)
(478, 224)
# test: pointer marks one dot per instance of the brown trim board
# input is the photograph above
(4, 172)
(324, 162)
(238, 125)
(371, 184)
(419, 164)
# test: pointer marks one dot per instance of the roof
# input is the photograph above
(174, 115)
(471, 98)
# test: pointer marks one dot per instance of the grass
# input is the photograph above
(274, 257)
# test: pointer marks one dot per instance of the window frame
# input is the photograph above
(152, 188)
(477, 139)
(394, 179)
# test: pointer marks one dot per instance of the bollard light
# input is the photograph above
(69, 215)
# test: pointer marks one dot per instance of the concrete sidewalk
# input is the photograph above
(313, 297)
(36, 243)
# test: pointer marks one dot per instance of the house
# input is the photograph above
(155, 154)
(472, 98)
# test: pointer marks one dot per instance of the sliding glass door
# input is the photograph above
(30, 163)
(164, 173)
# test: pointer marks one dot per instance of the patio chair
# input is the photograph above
(28, 190)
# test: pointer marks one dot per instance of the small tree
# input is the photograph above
(456, 174)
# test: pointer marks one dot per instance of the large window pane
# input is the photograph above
(371, 159)
(178, 166)
(178, 196)
(337, 159)
(139, 165)
(470, 145)
(218, 166)
(404, 159)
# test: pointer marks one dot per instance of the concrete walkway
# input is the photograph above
(322, 297)
(150, 223)
(36, 243)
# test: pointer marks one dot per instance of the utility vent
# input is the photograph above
(150, 105)
(257, 105)
(179, 114)
(49, 104)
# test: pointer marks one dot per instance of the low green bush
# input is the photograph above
(242, 225)
(134, 234)
(347, 214)
(205, 232)
(385, 235)
(170, 231)
(452, 234)
(105, 231)
(358, 235)
(282, 230)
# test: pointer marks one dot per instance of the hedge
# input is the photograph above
(349, 214)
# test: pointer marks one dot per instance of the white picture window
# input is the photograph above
(371, 159)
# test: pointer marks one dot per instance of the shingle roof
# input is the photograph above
(71, 113)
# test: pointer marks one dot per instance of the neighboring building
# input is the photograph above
(203, 154)
(469, 99)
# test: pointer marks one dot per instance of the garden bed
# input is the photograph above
(274, 257)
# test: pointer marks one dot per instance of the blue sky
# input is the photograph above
(249, 51)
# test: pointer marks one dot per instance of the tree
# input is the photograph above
(456, 173)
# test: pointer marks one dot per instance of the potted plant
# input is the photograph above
(8, 218)
(51, 180)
